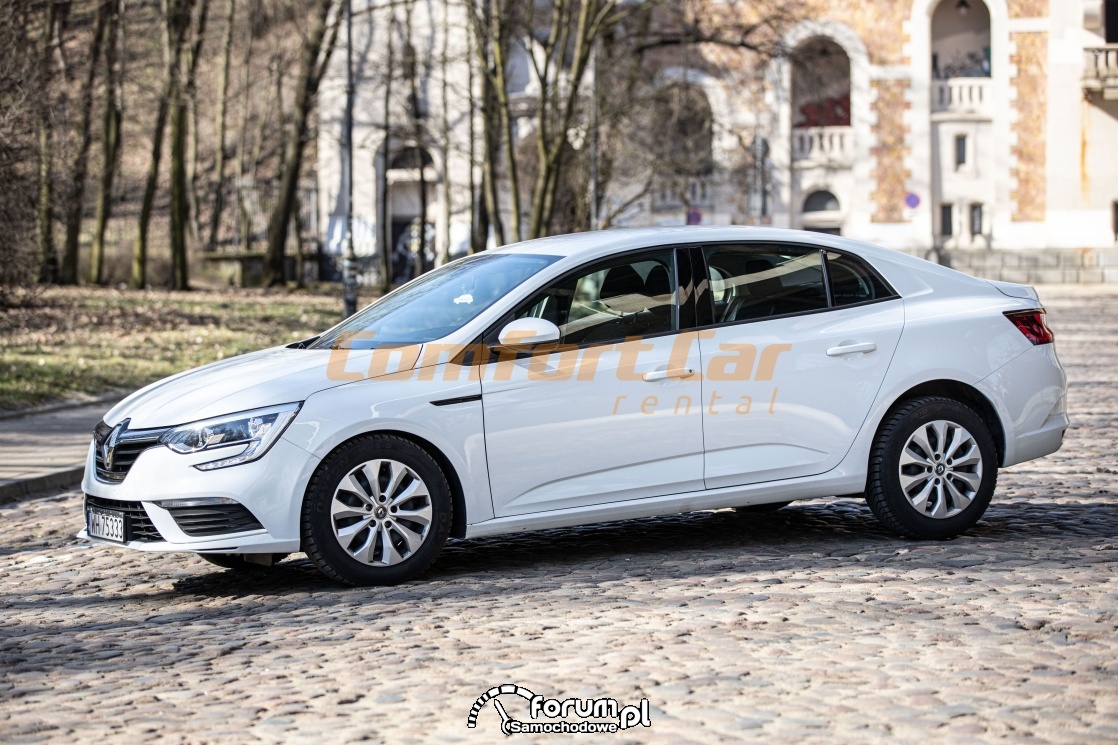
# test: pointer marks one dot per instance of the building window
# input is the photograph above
(960, 151)
(1115, 220)
(947, 220)
(975, 219)
(1111, 21)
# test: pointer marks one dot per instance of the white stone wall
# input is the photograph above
(1081, 148)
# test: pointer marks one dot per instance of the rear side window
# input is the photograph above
(754, 282)
(852, 281)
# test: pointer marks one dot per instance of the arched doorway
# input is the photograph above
(961, 40)
(411, 176)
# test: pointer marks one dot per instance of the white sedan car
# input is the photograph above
(586, 378)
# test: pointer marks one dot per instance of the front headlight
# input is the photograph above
(253, 431)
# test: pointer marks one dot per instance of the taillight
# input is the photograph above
(1031, 324)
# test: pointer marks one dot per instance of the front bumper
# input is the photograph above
(271, 489)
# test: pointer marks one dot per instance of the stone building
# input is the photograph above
(986, 130)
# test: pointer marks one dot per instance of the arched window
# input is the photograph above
(820, 84)
(685, 128)
(821, 201)
(410, 157)
(961, 40)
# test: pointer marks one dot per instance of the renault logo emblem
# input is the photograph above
(108, 447)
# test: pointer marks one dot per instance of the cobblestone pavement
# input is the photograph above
(812, 625)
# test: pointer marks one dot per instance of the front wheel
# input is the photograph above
(932, 470)
(377, 512)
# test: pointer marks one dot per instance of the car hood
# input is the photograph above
(250, 381)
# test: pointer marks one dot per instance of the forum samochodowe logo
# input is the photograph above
(551, 716)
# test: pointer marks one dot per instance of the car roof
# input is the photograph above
(592, 244)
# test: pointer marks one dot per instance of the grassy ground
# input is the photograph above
(74, 341)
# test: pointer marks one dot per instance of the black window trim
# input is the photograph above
(686, 308)
(706, 309)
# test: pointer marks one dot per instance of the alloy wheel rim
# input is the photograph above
(940, 469)
(381, 512)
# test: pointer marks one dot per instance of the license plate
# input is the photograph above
(105, 524)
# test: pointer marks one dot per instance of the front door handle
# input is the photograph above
(851, 348)
(655, 375)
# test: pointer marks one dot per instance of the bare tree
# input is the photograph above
(111, 119)
(176, 16)
(182, 24)
(218, 182)
(20, 111)
(75, 199)
(48, 35)
(315, 56)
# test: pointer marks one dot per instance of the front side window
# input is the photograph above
(437, 304)
(614, 300)
(755, 282)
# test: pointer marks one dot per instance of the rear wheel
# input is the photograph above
(932, 470)
(377, 512)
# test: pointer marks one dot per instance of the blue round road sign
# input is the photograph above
(694, 217)
(912, 201)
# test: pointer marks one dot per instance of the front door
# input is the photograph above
(612, 413)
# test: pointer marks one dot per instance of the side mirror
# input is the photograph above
(523, 334)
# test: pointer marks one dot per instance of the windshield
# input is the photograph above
(436, 304)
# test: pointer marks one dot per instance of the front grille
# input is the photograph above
(217, 519)
(125, 446)
(137, 525)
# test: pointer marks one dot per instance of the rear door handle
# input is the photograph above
(655, 375)
(863, 348)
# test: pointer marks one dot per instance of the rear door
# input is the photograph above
(795, 345)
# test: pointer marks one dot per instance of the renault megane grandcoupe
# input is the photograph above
(585, 378)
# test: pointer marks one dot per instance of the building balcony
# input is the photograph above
(1100, 73)
(967, 97)
(823, 146)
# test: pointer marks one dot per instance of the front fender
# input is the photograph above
(333, 416)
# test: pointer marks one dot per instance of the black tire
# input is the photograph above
(324, 547)
(755, 509)
(238, 563)
(888, 499)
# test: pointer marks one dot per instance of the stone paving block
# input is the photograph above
(812, 624)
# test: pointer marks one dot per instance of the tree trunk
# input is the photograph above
(48, 258)
(243, 226)
(181, 211)
(219, 127)
(195, 52)
(75, 203)
(500, 48)
(444, 234)
(310, 74)
(479, 235)
(411, 66)
(180, 208)
(382, 188)
(489, 120)
(173, 38)
(110, 140)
